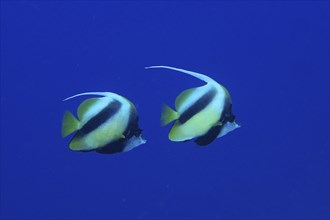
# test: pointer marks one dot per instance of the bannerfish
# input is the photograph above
(107, 125)
(203, 113)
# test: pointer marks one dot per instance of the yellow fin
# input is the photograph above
(168, 115)
(69, 124)
(85, 106)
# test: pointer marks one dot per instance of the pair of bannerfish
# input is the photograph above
(110, 124)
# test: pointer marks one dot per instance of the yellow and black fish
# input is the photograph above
(203, 113)
(108, 124)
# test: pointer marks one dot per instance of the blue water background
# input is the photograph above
(273, 57)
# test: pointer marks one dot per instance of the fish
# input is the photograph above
(202, 114)
(106, 124)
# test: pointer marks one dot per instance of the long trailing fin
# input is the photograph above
(90, 93)
(197, 75)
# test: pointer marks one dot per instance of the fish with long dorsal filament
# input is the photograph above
(108, 124)
(203, 113)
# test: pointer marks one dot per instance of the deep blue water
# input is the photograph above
(273, 57)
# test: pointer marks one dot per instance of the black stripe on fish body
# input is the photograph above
(230, 116)
(105, 114)
(227, 114)
(198, 106)
(113, 147)
(132, 125)
(209, 137)
(118, 145)
(132, 129)
(212, 134)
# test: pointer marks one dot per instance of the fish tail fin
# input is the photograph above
(197, 75)
(90, 93)
(69, 124)
(168, 115)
